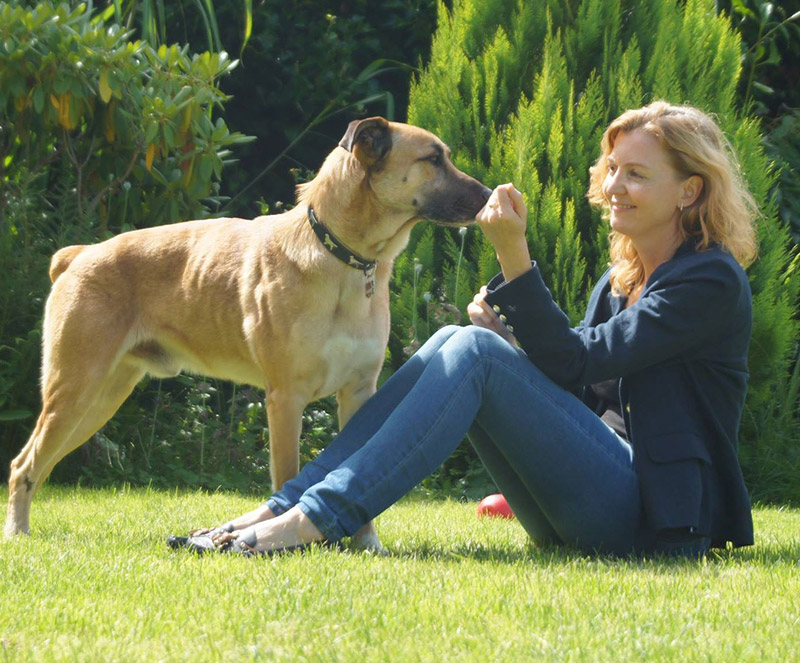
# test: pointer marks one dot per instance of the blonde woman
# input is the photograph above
(618, 435)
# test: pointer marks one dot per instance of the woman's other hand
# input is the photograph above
(482, 315)
(504, 220)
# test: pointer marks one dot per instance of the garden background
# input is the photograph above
(106, 125)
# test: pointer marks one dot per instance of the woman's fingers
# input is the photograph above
(482, 315)
(517, 201)
(504, 212)
(477, 316)
(476, 309)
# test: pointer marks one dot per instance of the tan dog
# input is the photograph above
(268, 302)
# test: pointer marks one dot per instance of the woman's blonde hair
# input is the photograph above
(724, 212)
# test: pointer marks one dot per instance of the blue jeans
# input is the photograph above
(568, 477)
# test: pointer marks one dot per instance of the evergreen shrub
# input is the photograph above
(522, 91)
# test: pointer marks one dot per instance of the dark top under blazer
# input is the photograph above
(681, 354)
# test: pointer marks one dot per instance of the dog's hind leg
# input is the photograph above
(60, 429)
(84, 380)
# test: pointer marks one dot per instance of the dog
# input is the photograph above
(295, 303)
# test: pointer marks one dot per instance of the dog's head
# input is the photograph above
(409, 169)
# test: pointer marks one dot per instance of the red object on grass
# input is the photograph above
(495, 505)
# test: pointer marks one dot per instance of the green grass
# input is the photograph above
(96, 582)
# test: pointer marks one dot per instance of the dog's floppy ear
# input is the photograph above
(369, 140)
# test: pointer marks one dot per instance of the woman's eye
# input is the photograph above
(636, 174)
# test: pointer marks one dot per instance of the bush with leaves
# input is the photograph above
(98, 134)
(523, 91)
(770, 34)
(771, 68)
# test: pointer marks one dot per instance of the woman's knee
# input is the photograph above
(438, 339)
(479, 340)
(443, 334)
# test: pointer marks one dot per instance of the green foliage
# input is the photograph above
(782, 143)
(98, 134)
(153, 19)
(522, 92)
(771, 67)
(771, 51)
(76, 91)
(309, 68)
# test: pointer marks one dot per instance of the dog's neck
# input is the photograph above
(336, 246)
(343, 201)
(346, 256)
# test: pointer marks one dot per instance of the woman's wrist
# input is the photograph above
(514, 259)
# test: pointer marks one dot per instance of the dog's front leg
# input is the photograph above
(285, 416)
(349, 400)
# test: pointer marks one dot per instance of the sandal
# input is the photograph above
(197, 541)
(245, 546)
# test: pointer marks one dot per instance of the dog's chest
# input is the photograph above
(348, 358)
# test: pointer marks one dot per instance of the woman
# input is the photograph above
(618, 435)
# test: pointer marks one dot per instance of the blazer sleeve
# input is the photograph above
(678, 312)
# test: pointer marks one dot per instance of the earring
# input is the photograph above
(680, 207)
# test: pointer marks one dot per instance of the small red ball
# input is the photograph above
(495, 505)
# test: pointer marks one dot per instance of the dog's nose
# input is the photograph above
(486, 193)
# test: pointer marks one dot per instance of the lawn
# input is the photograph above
(96, 582)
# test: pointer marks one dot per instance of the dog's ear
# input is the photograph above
(369, 140)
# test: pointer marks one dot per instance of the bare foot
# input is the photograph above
(291, 529)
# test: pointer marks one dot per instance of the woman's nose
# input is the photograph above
(614, 183)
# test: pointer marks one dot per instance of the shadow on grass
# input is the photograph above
(763, 554)
(766, 553)
(541, 555)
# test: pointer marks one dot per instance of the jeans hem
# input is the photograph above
(276, 506)
(323, 518)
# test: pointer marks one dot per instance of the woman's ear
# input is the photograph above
(692, 188)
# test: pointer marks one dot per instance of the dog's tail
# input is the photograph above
(62, 259)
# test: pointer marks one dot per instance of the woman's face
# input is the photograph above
(643, 189)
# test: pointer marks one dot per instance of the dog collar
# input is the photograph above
(338, 249)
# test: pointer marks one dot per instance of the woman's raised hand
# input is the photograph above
(504, 220)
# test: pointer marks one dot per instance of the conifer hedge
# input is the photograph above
(522, 91)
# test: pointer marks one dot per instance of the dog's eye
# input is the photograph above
(435, 159)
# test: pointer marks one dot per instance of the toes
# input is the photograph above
(221, 538)
(200, 531)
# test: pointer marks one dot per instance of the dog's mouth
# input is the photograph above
(455, 212)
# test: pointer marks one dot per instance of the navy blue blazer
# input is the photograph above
(681, 355)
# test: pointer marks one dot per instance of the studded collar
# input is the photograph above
(340, 250)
